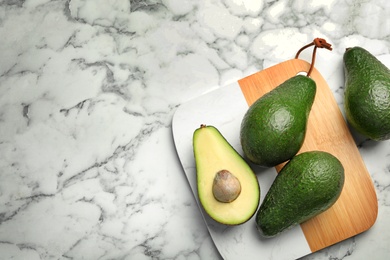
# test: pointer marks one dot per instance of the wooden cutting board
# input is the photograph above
(356, 209)
(354, 212)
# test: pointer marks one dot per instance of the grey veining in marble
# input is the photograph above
(88, 88)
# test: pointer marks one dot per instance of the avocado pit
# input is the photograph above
(226, 186)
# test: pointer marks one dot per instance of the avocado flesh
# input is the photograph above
(212, 154)
(274, 127)
(309, 184)
(367, 94)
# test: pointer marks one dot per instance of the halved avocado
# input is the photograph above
(228, 189)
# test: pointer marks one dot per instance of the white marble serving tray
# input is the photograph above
(224, 109)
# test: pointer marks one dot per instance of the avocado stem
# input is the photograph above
(318, 43)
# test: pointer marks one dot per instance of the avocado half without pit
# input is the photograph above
(228, 189)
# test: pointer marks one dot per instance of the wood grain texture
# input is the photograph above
(356, 209)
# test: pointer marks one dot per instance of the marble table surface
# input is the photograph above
(88, 89)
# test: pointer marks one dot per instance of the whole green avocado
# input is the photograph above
(310, 183)
(367, 94)
(274, 127)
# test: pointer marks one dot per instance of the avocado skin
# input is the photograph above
(274, 127)
(307, 185)
(367, 94)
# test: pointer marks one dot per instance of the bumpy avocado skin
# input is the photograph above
(274, 127)
(367, 94)
(307, 185)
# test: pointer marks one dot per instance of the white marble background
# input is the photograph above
(88, 168)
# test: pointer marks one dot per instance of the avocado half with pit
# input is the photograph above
(228, 189)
